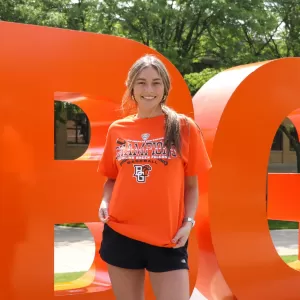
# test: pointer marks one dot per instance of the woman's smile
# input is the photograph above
(148, 97)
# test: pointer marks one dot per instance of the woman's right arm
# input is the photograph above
(107, 191)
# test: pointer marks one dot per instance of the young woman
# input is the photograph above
(151, 160)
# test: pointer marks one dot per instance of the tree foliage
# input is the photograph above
(196, 80)
(193, 34)
(200, 38)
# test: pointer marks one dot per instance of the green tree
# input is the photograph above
(84, 15)
(76, 15)
(196, 80)
(193, 34)
(287, 41)
(242, 33)
(46, 13)
(173, 28)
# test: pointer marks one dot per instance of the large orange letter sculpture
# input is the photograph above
(231, 252)
(239, 111)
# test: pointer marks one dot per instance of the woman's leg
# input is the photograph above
(171, 285)
(126, 264)
(169, 272)
(127, 284)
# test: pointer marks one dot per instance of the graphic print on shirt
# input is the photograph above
(143, 155)
(145, 136)
(141, 172)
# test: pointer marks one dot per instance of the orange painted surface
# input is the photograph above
(94, 280)
(40, 65)
(294, 117)
(283, 196)
(295, 265)
(239, 112)
(234, 254)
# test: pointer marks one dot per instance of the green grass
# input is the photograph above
(274, 224)
(64, 277)
(289, 258)
(80, 225)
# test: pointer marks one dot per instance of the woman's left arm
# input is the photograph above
(197, 164)
(191, 195)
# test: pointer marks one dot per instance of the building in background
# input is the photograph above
(71, 140)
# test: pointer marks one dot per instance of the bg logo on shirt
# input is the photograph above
(141, 172)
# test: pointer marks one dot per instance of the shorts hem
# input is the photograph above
(167, 270)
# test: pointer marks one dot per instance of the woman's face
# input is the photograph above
(148, 89)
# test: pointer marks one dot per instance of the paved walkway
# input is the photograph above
(74, 247)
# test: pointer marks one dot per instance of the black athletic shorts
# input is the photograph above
(121, 251)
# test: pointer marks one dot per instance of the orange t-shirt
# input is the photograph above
(147, 203)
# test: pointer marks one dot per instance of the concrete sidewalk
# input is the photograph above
(74, 248)
(286, 241)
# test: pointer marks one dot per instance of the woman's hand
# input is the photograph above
(107, 191)
(103, 211)
(182, 235)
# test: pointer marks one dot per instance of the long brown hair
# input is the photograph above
(172, 119)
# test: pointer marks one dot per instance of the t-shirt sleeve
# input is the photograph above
(107, 165)
(198, 161)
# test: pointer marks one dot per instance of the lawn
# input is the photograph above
(80, 225)
(65, 277)
(275, 225)
(289, 258)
